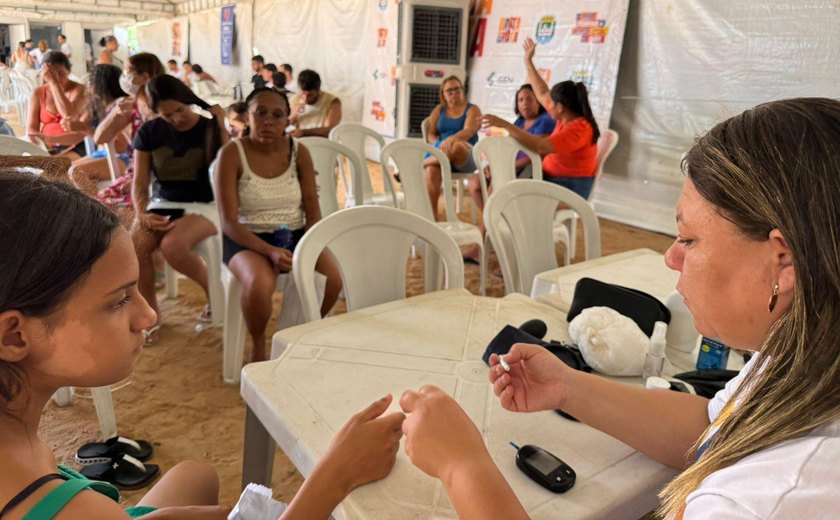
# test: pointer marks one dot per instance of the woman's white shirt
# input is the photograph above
(798, 478)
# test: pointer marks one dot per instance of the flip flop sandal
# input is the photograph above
(124, 471)
(206, 315)
(103, 452)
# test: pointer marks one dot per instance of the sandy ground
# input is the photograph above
(176, 398)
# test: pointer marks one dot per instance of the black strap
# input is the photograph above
(28, 490)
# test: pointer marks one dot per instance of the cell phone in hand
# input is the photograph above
(172, 213)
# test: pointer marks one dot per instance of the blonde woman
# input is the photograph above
(758, 252)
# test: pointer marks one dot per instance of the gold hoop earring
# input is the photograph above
(773, 298)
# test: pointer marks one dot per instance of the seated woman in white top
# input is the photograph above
(267, 199)
(759, 262)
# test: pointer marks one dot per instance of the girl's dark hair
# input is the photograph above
(57, 58)
(51, 234)
(256, 92)
(198, 69)
(169, 88)
(528, 87)
(573, 97)
(105, 87)
(146, 63)
(107, 39)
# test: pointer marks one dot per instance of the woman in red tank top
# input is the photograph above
(58, 109)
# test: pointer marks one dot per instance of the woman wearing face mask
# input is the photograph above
(569, 153)
(128, 114)
(56, 106)
(105, 92)
(177, 148)
(266, 180)
(107, 55)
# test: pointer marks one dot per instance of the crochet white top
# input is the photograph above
(265, 204)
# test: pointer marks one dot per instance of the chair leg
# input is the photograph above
(482, 288)
(459, 195)
(171, 277)
(105, 411)
(571, 225)
(234, 330)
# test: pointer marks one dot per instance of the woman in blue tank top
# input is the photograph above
(452, 127)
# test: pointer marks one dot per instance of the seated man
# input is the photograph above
(314, 111)
(257, 64)
(173, 70)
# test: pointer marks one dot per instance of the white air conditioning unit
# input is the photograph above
(431, 45)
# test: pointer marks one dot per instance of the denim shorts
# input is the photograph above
(580, 185)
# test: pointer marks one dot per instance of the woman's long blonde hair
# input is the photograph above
(777, 166)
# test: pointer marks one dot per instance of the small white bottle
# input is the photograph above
(655, 358)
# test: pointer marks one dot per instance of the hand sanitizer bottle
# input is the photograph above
(655, 358)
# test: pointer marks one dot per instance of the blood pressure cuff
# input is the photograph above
(639, 306)
(510, 335)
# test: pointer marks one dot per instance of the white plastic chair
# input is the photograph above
(459, 178)
(565, 222)
(519, 218)
(326, 157)
(14, 146)
(354, 136)
(22, 87)
(370, 245)
(408, 155)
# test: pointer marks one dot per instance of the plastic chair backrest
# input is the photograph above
(371, 245)
(500, 153)
(22, 86)
(606, 144)
(424, 129)
(519, 217)
(408, 155)
(354, 136)
(14, 146)
(325, 157)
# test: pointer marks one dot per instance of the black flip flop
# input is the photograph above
(103, 452)
(124, 471)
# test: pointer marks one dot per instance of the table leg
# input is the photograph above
(258, 456)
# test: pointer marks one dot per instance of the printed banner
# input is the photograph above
(179, 39)
(227, 34)
(378, 112)
(579, 40)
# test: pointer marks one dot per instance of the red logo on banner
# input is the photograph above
(382, 35)
(508, 30)
(590, 28)
(545, 74)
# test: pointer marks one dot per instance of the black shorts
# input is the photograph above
(231, 247)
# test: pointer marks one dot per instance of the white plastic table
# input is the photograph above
(332, 368)
(641, 269)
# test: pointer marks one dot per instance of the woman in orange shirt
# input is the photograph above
(569, 153)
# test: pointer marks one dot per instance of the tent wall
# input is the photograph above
(686, 66)
(324, 36)
(205, 43)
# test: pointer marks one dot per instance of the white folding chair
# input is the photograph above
(519, 218)
(408, 155)
(371, 246)
(458, 178)
(565, 222)
(14, 146)
(354, 136)
(326, 157)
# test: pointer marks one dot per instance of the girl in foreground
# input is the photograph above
(71, 315)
